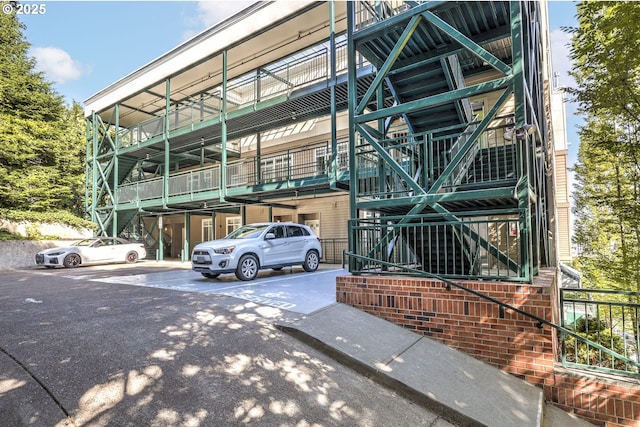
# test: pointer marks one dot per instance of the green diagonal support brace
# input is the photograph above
(390, 160)
(388, 63)
(470, 142)
(472, 46)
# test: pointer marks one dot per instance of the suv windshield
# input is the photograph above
(247, 232)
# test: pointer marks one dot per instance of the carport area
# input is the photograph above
(290, 289)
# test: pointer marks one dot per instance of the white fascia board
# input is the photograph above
(203, 45)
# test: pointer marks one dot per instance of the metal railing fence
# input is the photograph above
(309, 161)
(333, 248)
(276, 79)
(480, 245)
(608, 318)
(424, 157)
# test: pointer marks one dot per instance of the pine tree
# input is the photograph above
(41, 151)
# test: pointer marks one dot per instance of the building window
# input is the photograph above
(323, 158)
(233, 222)
(276, 168)
(207, 229)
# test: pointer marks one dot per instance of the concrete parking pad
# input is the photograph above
(289, 289)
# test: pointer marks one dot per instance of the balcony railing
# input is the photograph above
(609, 321)
(479, 245)
(424, 157)
(276, 79)
(295, 164)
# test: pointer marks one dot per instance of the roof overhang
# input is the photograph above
(260, 34)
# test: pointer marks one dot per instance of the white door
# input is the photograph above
(313, 224)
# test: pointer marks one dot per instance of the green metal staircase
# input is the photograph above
(455, 165)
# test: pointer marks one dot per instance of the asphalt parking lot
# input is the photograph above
(290, 289)
(155, 344)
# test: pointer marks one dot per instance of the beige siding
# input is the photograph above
(564, 234)
(562, 193)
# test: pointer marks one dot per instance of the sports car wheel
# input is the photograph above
(132, 257)
(311, 261)
(72, 261)
(247, 267)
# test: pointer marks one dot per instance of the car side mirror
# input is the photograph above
(269, 236)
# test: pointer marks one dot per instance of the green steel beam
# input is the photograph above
(388, 63)
(275, 77)
(435, 100)
(373, 31)
(258, 202)
(431, 199)
(465, 41)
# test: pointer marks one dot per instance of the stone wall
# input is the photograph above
(18, 254)
(503, 338)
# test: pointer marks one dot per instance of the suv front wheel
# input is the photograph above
(247, 267)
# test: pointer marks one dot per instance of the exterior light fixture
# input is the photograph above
(520, 133)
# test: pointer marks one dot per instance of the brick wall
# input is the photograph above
(503, 338)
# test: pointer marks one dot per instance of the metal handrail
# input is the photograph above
(540, 322)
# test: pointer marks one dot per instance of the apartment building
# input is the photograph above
(406, 134)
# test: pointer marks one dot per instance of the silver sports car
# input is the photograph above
(98, 250)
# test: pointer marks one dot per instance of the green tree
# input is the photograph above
(41, 143)
(607, 206)
(605, 50)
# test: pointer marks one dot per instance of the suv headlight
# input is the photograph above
(224, 251)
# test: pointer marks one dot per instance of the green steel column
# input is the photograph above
(116, 149)
(94, 171)
(352, 102)
(382, 175)
(520, 117)
(165, 172)
(186, 250)
(223, 123)
(160, 255)
(333, 171)
(87, 163)
(259, 157)
(213, 224)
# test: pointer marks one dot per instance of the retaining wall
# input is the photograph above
(21, 253)
(510, 341)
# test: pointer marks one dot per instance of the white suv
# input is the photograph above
(258, 246)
